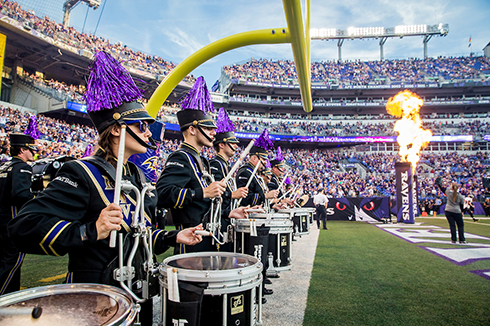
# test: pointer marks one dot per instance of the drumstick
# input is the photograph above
(35, 312)
(249, 181)
(119, 171)
(203, 233)
(282, 182)
(239, 161)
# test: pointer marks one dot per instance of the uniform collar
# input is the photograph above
(185, 145)
(221, 158)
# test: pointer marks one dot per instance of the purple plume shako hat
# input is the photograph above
(225, 129)
(112, 96)
(262, 145)
(278, 161)
(196, 107)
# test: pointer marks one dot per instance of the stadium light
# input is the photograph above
(383, 33)
(69, 5)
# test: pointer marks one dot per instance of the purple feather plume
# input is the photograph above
(198, 97)
(279, 156)
(109, 84)
(88, 151)
(287, 181)
(268, 165)
(32, 129)
(264, 142)
(223, 122)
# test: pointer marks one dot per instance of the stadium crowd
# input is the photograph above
(62, 90)
(358, 72)
(300, 126)
(138, 60)
(57, 137)
(276, 123)
(310, 169)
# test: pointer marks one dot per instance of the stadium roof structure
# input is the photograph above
(381, 33)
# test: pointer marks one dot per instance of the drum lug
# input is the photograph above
(229, 232)
(123, 274)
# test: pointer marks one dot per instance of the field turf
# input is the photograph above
(363, 275)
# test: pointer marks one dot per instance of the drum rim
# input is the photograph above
(74, 288)
(267, 222)
(213, 276)
(267, 215)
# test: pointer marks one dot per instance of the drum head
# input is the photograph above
(210, 262)
(69, 304)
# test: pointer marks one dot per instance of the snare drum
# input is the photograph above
(311, 211)
(68, 305)
(279, 245)
(215, 288)
(300, 218)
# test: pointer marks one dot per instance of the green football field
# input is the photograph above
(363, 275)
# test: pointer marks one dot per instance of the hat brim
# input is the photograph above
(233, 140)
(280, 165)
(31, 147)
(261, 155)
(139, 115)
(207, 123)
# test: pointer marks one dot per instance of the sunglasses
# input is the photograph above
(143, 125)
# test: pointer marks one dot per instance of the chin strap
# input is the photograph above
(204, 134)
(234, 150)
(152, 145)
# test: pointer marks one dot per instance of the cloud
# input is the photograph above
(188, 44)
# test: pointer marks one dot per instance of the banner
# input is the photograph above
(404, 193)
(147, 162)
(367, 209)
(3, 44)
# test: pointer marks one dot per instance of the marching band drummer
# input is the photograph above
(278, 167)
(257, 190)
(186, 186)
(15, 191)
(75, 213)
(225, 145)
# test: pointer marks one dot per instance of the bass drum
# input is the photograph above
(45, 170)
(68, 305)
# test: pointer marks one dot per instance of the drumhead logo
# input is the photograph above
(236, 304)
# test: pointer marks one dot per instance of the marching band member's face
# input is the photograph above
(267, 178)
(28, 154)
(279, 172)
(230, 149)
(210, 132)
(263, 162)
(141, 130)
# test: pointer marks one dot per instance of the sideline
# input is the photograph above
(286, 307)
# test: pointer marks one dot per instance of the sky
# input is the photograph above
(174, 30)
